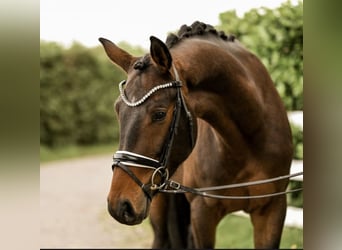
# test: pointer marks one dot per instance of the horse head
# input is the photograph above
(156, 129)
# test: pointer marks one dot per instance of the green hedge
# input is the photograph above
(276, 36)
(297, 138)
(77, 89)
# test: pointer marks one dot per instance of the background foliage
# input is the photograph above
(78, 85)
(77, 91)
(276, 36)
(76, 94)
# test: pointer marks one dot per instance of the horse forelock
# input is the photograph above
(196, 29)
(142, 63)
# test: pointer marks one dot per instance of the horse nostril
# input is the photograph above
(124, 212)
(127, 211)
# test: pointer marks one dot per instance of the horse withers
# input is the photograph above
(202, 110)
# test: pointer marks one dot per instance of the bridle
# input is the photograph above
(123, 159)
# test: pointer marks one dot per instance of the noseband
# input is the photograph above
(123, 159)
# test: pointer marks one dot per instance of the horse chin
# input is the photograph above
(128, 220)
(127, 214)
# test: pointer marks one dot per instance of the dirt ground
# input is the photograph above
(73, 208)
(73, 211)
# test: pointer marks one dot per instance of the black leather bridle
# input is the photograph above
(126, 159)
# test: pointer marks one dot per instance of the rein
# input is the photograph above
(177, 188)
(123, 158)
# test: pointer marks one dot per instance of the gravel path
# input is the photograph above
(73, 210)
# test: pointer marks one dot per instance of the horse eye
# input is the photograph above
(158, 116)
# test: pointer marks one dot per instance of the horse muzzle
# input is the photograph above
(126, 203)
(124, 211)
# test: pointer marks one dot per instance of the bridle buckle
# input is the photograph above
(174, 185)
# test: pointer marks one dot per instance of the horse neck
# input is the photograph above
(220, 90)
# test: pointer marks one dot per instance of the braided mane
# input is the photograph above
(196, 29)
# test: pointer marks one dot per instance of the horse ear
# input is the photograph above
(160, 54)
(117, 55)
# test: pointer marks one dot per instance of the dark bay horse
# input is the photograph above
(200, 109)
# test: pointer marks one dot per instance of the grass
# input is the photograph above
(237, 232)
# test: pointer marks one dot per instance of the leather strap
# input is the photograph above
(145, 188)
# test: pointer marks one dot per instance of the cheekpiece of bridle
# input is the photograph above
(123, 159)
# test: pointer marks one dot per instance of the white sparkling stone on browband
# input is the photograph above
(156, 88)
(144, 98)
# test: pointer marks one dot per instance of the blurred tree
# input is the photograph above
(276, 37)
(77, 90)
(134, 50)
